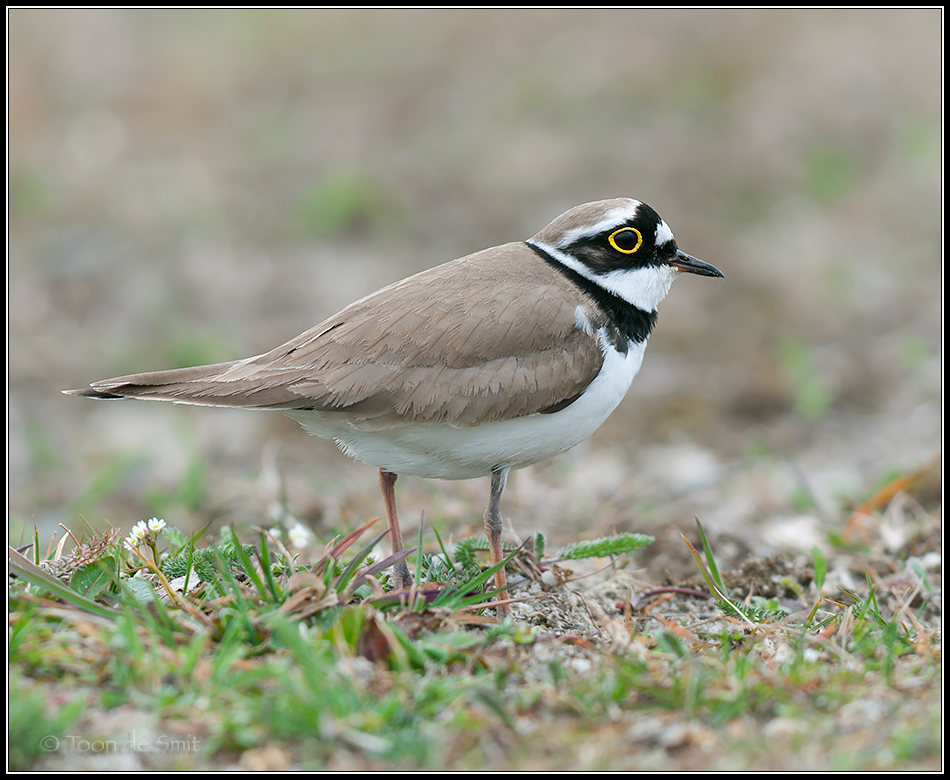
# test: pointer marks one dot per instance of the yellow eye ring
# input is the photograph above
(626, 236)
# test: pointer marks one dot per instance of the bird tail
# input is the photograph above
(201, 385)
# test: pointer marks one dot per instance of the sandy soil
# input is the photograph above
(192, 186)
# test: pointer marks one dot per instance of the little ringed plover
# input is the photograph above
(488, 363)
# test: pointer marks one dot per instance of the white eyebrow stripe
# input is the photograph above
(614, 218)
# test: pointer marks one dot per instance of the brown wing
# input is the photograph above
(426, 349)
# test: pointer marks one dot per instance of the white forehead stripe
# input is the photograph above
(613, 218)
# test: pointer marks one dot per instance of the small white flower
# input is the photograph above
(299, 536)
(144, 531)
(156, 526)
(136, 536)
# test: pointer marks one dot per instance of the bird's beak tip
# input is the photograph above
(693, 265)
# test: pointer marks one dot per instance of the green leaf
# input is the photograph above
(821, 567)
(93, 578)
(29, 571)
(602, 548)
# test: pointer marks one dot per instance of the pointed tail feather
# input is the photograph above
(202, 385)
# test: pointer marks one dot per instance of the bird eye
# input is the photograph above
(626, 240)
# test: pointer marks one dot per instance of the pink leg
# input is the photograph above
(387, 484)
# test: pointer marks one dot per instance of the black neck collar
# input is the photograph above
(629, 323)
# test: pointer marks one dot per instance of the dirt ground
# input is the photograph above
(193, 186)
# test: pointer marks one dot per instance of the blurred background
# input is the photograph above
(190, 186)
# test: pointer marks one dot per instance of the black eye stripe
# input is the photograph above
(614, 249)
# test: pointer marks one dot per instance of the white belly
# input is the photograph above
(443, 451)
